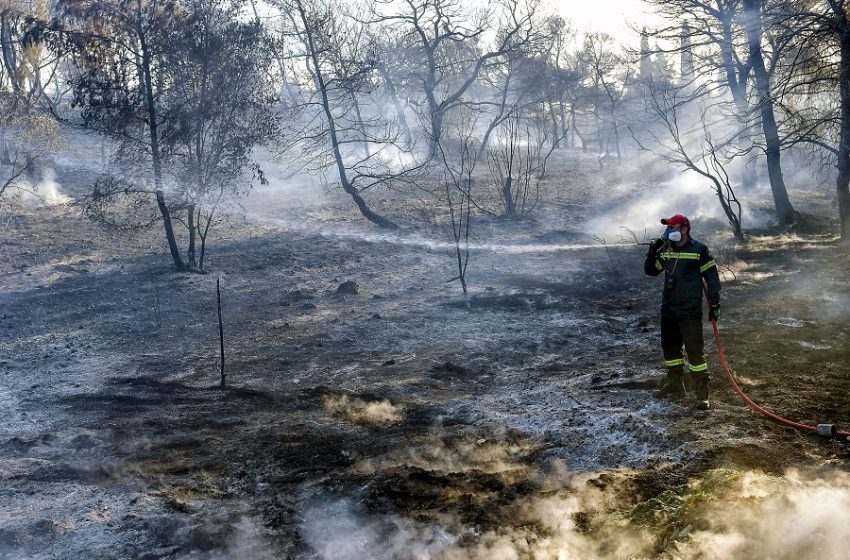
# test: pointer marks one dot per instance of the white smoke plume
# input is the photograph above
(360, 411)
(542, 527)
(750, 516)
(47, 192)
(776, 518)
(466, 454)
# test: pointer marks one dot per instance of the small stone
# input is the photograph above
(349, 287)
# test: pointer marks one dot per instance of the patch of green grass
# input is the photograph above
(670, 514)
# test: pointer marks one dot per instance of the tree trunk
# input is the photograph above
(326, 107)
(578, 132)
(169, 232)
(748, 168)
(843, 181)
(573, 125)
(485, 140)
(616, 135)
(222, 374)
(556, 137)
(190, 215)
(399, 110)
(365, 143)
(784, 210)
(150, 105)
(436, 129)
(563, 121)
(10, 57)
(203, 235)
(738, 88)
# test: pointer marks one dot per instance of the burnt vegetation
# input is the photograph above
(187, 94)
(413, 228)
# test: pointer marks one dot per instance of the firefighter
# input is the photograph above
(686, 264)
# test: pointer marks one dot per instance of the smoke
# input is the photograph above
(687, 194)
(47, 192)
(776, 518)
(363, 412)
(247, 539)
(724, 515)
(437, 452)
(539, 527)
(427, 243)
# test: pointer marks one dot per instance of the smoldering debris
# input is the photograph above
(535, 527)
(45, 192)
(769, 517)
(727, 514)
(248, 539)
(476, 455)
(466, 497)
(360, 411)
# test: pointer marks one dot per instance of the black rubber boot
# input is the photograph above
(701, 389)
(689, 381)
(673, 386)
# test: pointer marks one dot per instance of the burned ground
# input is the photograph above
(391, 422)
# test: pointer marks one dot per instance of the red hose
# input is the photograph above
(747, 400)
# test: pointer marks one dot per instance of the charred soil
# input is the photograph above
(391, 405)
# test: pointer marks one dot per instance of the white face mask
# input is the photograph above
(671, 235)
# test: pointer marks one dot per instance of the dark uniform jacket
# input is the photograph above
(684, 269)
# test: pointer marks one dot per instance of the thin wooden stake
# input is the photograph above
(220, 327)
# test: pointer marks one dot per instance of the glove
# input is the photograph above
(714, 312)
(655, 247)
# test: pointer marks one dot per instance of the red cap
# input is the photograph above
(677, 219)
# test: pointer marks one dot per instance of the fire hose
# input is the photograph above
(827, 430)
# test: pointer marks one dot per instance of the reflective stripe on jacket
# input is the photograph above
(684, 269)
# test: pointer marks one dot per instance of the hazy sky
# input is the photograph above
(610, 16)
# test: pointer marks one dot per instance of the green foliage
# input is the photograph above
(672, 513)
(183, 87)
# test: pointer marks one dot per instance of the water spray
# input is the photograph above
(825, 430)
(416, 240)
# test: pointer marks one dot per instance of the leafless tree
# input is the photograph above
(738, 40)
(389, 61)
(510, 88)
(814, 88)
(692, 146)
(514, 167)
(457, 170)
(333, 122)
(533, 83)
(607, 76)
(450, 42)
(10, 177)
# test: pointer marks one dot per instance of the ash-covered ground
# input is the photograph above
(395, 423)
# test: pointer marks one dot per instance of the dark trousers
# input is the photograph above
(677, 332)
